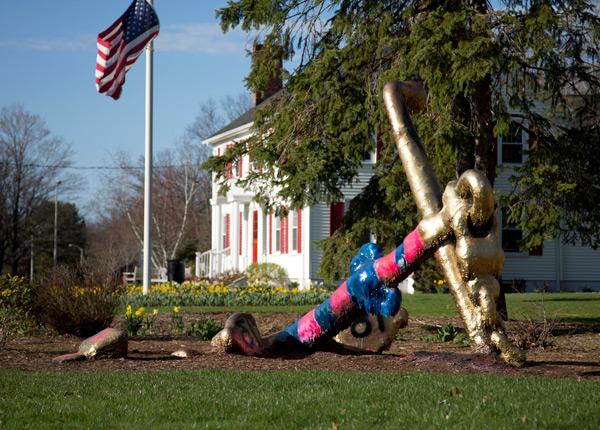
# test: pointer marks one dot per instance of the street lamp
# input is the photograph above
(55, 223)
(72, 245)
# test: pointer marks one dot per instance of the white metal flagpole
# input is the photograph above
(148, 172)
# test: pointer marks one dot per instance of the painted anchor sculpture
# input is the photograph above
(460, 227)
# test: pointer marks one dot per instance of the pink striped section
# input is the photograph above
(386, 267)
(413, 246)
(340, 301)
(308, 328)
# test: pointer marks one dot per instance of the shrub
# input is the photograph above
(266, 274)
(204, 328)
(79, 302)
(16, 303)
(447, 333)
(426, 277)
(16, 293)
(528, 333)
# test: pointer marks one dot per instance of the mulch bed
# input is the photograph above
(575, 352)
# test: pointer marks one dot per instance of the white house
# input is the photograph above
(244, 233)
(554, 265)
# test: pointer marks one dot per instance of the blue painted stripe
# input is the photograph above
(324, 316)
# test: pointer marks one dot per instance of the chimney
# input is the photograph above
(274, 82)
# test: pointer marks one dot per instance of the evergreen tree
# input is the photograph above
(479, 61)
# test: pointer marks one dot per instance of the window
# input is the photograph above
(277, 234)
(512, 145)
(511, 234)
(226, 230)
(294, 215)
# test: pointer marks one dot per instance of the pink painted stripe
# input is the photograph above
(413, 246)
(386, 267)
(340, 301)
(308, 328)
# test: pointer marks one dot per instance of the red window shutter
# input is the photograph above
(379, 147)
(219, 152)
(227, 230)
(299, 232)
(229, 168)
(240, 246)
(336, 213)
(240, 165)
(270, 232)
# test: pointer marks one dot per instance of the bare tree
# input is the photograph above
(31, 163)
(180, 191)
(236, 106)
(215, 115)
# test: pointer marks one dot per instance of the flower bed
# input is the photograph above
(206, 294)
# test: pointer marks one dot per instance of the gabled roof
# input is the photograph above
(246, 118)
(243, 119)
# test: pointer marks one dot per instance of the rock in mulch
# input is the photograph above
(185, 353)
(109, 343)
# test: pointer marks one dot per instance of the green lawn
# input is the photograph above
(567, 306)
(583, 307)
(301, 399)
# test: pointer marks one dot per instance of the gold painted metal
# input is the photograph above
(465, 211)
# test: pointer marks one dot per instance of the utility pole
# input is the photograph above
(54, 254)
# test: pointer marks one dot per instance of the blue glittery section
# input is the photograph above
(292, 330)
(367, 253)
(366, 291)
(324, 316)
(370, 295)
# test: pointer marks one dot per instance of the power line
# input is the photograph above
(66, 166)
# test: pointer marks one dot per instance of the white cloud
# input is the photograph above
(204, 38)
(201, 38)
(80, 43)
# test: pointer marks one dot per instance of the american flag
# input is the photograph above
(121, 44)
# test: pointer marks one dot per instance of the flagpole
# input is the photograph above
(148, 171)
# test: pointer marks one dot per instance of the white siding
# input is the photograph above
(319, 229)
(581, 267)
(543, 268)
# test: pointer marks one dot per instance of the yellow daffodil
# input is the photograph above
(176, 309)
(128, 311)
(140, 312)
(155, 312)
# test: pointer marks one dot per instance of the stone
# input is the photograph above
(65, 358)
(185, 353)
(109, 343)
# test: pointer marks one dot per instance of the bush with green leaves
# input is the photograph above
(203, 294)
(266, 274)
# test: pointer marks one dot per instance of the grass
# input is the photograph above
(581, 307)
(300, 399)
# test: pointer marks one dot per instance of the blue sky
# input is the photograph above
(48, 51)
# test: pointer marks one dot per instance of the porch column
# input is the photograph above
(235, 236)
(306, 247)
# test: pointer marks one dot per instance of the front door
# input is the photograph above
(254, 236)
